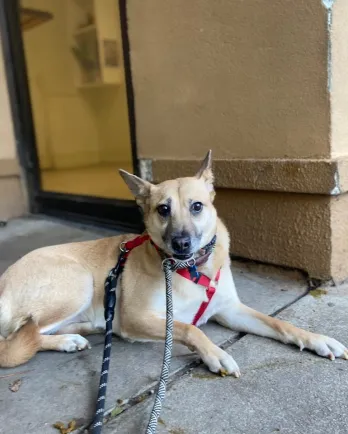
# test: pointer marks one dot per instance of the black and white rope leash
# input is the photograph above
(109, 303)
(169, 265)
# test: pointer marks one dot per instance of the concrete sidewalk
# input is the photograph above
(281, 389)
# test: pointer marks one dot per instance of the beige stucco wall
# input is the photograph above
(280, 228)
(246, 78)
(339, 82)
(264, 85)
(339, 237)
(12, 197)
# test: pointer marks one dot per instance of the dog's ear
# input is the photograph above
(139, 187)
(205, 172)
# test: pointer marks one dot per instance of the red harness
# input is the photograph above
(192, 275)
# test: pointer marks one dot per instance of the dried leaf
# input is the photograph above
(61, 427)
(161, 421)
(317, 293)
(14, 387)
(116, 411)
(71, 426)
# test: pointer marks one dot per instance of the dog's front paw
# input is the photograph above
(72, 343)
(327, 347)
(219, 362)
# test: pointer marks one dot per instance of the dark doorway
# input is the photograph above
(68, 70)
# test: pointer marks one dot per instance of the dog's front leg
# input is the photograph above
(243, 318)
(152, 328)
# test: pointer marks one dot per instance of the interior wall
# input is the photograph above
(12, 198)
(246, 78)
(110, 111)
(7, 139)
(110, 106)
(74, 128)
(65, 129)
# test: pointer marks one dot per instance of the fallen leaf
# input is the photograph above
(161, 421)
(177, 431)
(116, 411)
(61, 427)
(317, 293)
(14, 387)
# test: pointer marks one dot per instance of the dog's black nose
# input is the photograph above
(181, 245)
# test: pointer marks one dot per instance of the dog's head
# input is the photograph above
(179, 215)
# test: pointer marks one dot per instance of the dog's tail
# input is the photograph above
(21, 346)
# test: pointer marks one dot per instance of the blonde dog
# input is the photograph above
(53, 296)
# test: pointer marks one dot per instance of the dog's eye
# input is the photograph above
(196, 207)
(163, 210)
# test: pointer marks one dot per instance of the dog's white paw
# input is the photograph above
(72, 343)
(219, 362)
(327, 347)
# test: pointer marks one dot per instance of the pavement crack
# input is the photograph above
(278, 311)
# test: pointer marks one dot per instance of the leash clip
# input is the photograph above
(123, 247)
(191, 262)
(177, 263)
(171, 261)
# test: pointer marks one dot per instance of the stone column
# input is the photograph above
(264, 84)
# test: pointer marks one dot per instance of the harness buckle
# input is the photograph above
(170, 260)
(176, 262)
(191, 262)
(123, 247)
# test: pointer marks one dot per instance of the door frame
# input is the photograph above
(116, 213)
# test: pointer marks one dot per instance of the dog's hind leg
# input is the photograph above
(37, 299)
(81, 328)
(69, 339)
(243, 318)
(64, 334)
(67, 342)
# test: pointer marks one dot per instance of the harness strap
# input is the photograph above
(188, 273)
(203, 280)
(136, 242)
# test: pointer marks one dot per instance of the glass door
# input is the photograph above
(69, 80)
(76, 78)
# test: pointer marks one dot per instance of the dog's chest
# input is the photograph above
(187, 300)
(144, 289)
